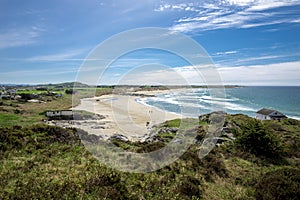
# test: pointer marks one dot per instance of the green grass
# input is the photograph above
(183, 123)
(13, 112)
(33, 91)
(173, 123)
(7, 119)
(45, 162)
(49, 162)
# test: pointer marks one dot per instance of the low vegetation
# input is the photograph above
(22, 112)
(41, 161)
(256, 138)
(279, 184)
(260, 160)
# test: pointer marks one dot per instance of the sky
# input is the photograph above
(249, 42)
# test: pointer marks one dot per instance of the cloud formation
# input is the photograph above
(213, 15)
(226, 53)
(270, 74)
(20, 37)
(283, 74)
(69, 55)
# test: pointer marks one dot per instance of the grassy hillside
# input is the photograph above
(48, 162)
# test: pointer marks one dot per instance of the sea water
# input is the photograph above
(244, 100)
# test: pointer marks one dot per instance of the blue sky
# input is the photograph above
(251, 42)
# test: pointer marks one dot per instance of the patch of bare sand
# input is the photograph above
(124, 115)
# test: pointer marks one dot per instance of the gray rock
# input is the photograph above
(119, 137)
(97, 127)
(177, 141)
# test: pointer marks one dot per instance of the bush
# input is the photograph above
(290, 121)
(70, 91)
(39, 136)
(149, 147)
(259, 140)
(189, 187)
(108, 184)
(280, 184)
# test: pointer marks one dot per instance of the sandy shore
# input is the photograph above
(123, 115)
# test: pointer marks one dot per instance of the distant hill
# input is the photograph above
(14, 85)
(66, 85)
(82, 85)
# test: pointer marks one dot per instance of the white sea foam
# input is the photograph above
(193, 105)
(218, 99)
(166, 100)
(294, 117)
(227, 105)
(178, 102)
(197, 101)
(202, 101)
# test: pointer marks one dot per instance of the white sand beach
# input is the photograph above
(123, 115)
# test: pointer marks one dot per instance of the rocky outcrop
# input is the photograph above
(119, 137)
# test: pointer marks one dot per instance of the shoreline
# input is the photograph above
(124, 115)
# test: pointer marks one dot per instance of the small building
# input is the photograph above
(59, 114)
(268, 114)
(12, 92)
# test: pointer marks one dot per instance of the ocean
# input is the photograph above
(244, 100)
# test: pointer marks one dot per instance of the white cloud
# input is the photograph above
(239, 2)
(237, 60)
(20, 37)
(163, 75)
(251, 25)
(162, 8)
(260, 5)
(176, 7)
(234, 14)
(271, 74)
(37, 73)
(60, 56)
(296, 21)
(259, 58)
(219, 20)
(226, 53)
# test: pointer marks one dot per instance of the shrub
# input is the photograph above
(290, 121)
(259, 140)
(149, 147)
(70, 91)
(108, 184)
(280, 184)
(39, 136)
(189, 187)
